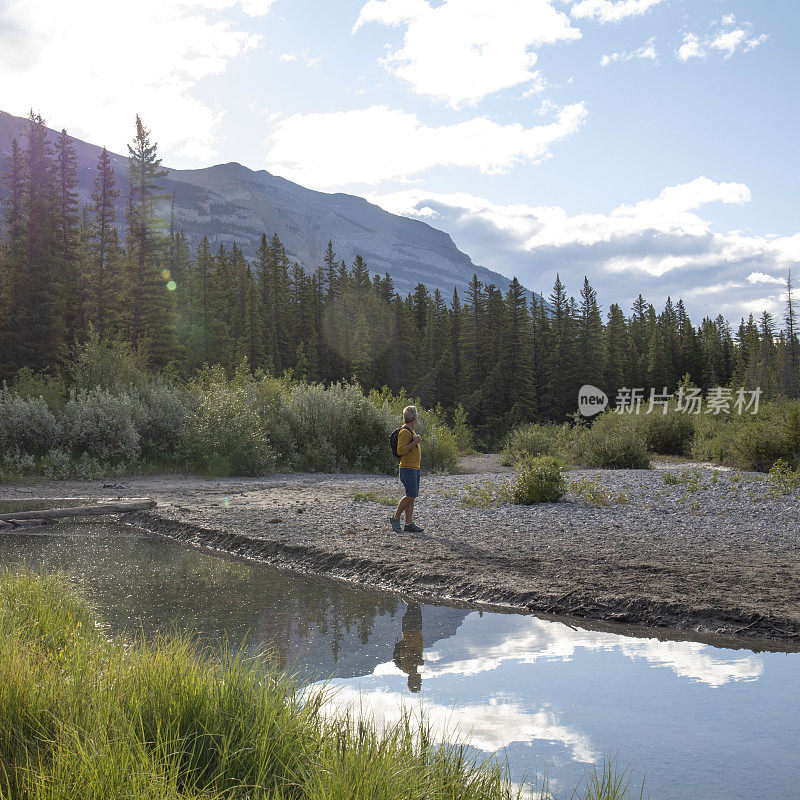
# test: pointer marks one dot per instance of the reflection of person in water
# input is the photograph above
(408, 651)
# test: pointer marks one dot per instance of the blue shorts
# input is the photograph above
(410, 480)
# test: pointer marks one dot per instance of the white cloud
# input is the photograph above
(646, 52)
(527, 640)
(663, 244)
(303, 56)
(487, 726)
(377, 143)
(761, 278)
(91, 66)
(460, 51)
(610, 11)
(727, 39)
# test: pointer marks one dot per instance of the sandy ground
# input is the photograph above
(717, 553)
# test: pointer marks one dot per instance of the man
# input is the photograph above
(410, 459)
(408, 651)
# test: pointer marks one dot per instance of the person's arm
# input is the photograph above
(407, 448)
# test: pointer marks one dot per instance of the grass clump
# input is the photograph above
(375, 497)
(595, 494)
(536, 480)
(488, 493)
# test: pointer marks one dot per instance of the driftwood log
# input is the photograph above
(16, 524)
(117, 507)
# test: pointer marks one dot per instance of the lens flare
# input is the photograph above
(171, 286)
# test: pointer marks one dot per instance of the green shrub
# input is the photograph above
(669, 434)
(533, 440)
(487, 493)
(30, 384)
(462, 430)
(758, 443)
(106, 365)
(375, 497)
(27, 426)
(538, 480)
(613, 442)
(159, 417)
(440, 449)
(338, 428)
(99, 424)
(225, 435)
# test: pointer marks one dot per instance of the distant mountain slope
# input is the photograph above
(229, 202)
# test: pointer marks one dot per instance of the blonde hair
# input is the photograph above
(409, 413)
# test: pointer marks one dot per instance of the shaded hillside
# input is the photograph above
(229, 202)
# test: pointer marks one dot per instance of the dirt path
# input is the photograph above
(718, 552)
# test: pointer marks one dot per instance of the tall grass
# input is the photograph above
(83, 717)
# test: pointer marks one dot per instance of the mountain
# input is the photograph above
(229, 202)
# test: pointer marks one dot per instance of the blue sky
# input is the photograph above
(648, 144)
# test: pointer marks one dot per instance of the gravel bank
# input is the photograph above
(716, 553)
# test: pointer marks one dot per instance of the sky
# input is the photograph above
(649, 145)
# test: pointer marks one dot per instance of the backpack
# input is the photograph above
(393, 440)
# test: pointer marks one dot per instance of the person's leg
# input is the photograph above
(401, 507)
(410, 510)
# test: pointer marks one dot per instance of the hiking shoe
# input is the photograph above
(395, 521)
(412, 529)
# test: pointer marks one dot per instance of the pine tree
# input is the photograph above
(330, 271)
(790, 363)
(151, 323)
(517, 361)
(618, 348)
(361, 279)
(591, 346)
(561, 384)
(104, 281)
(13, 286)
(68, 223)
(39, 304)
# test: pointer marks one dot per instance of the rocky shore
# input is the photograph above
(687, 547)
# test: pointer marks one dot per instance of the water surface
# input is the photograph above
(703, 722)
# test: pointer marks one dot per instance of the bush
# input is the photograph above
(538, 480)
(533, 440)
(27, 426)
(669, 434)
(225, 435)
(106, 364)
(30, 384)
(612, 442)
(440, 450)
(99, 424)
(757, 444)
(160, 415)
(338, 428)
(750, 442)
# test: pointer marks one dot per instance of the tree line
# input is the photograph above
(70, 271)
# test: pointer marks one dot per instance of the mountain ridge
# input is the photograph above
(230, 202)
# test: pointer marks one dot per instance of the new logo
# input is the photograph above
(591, 400)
